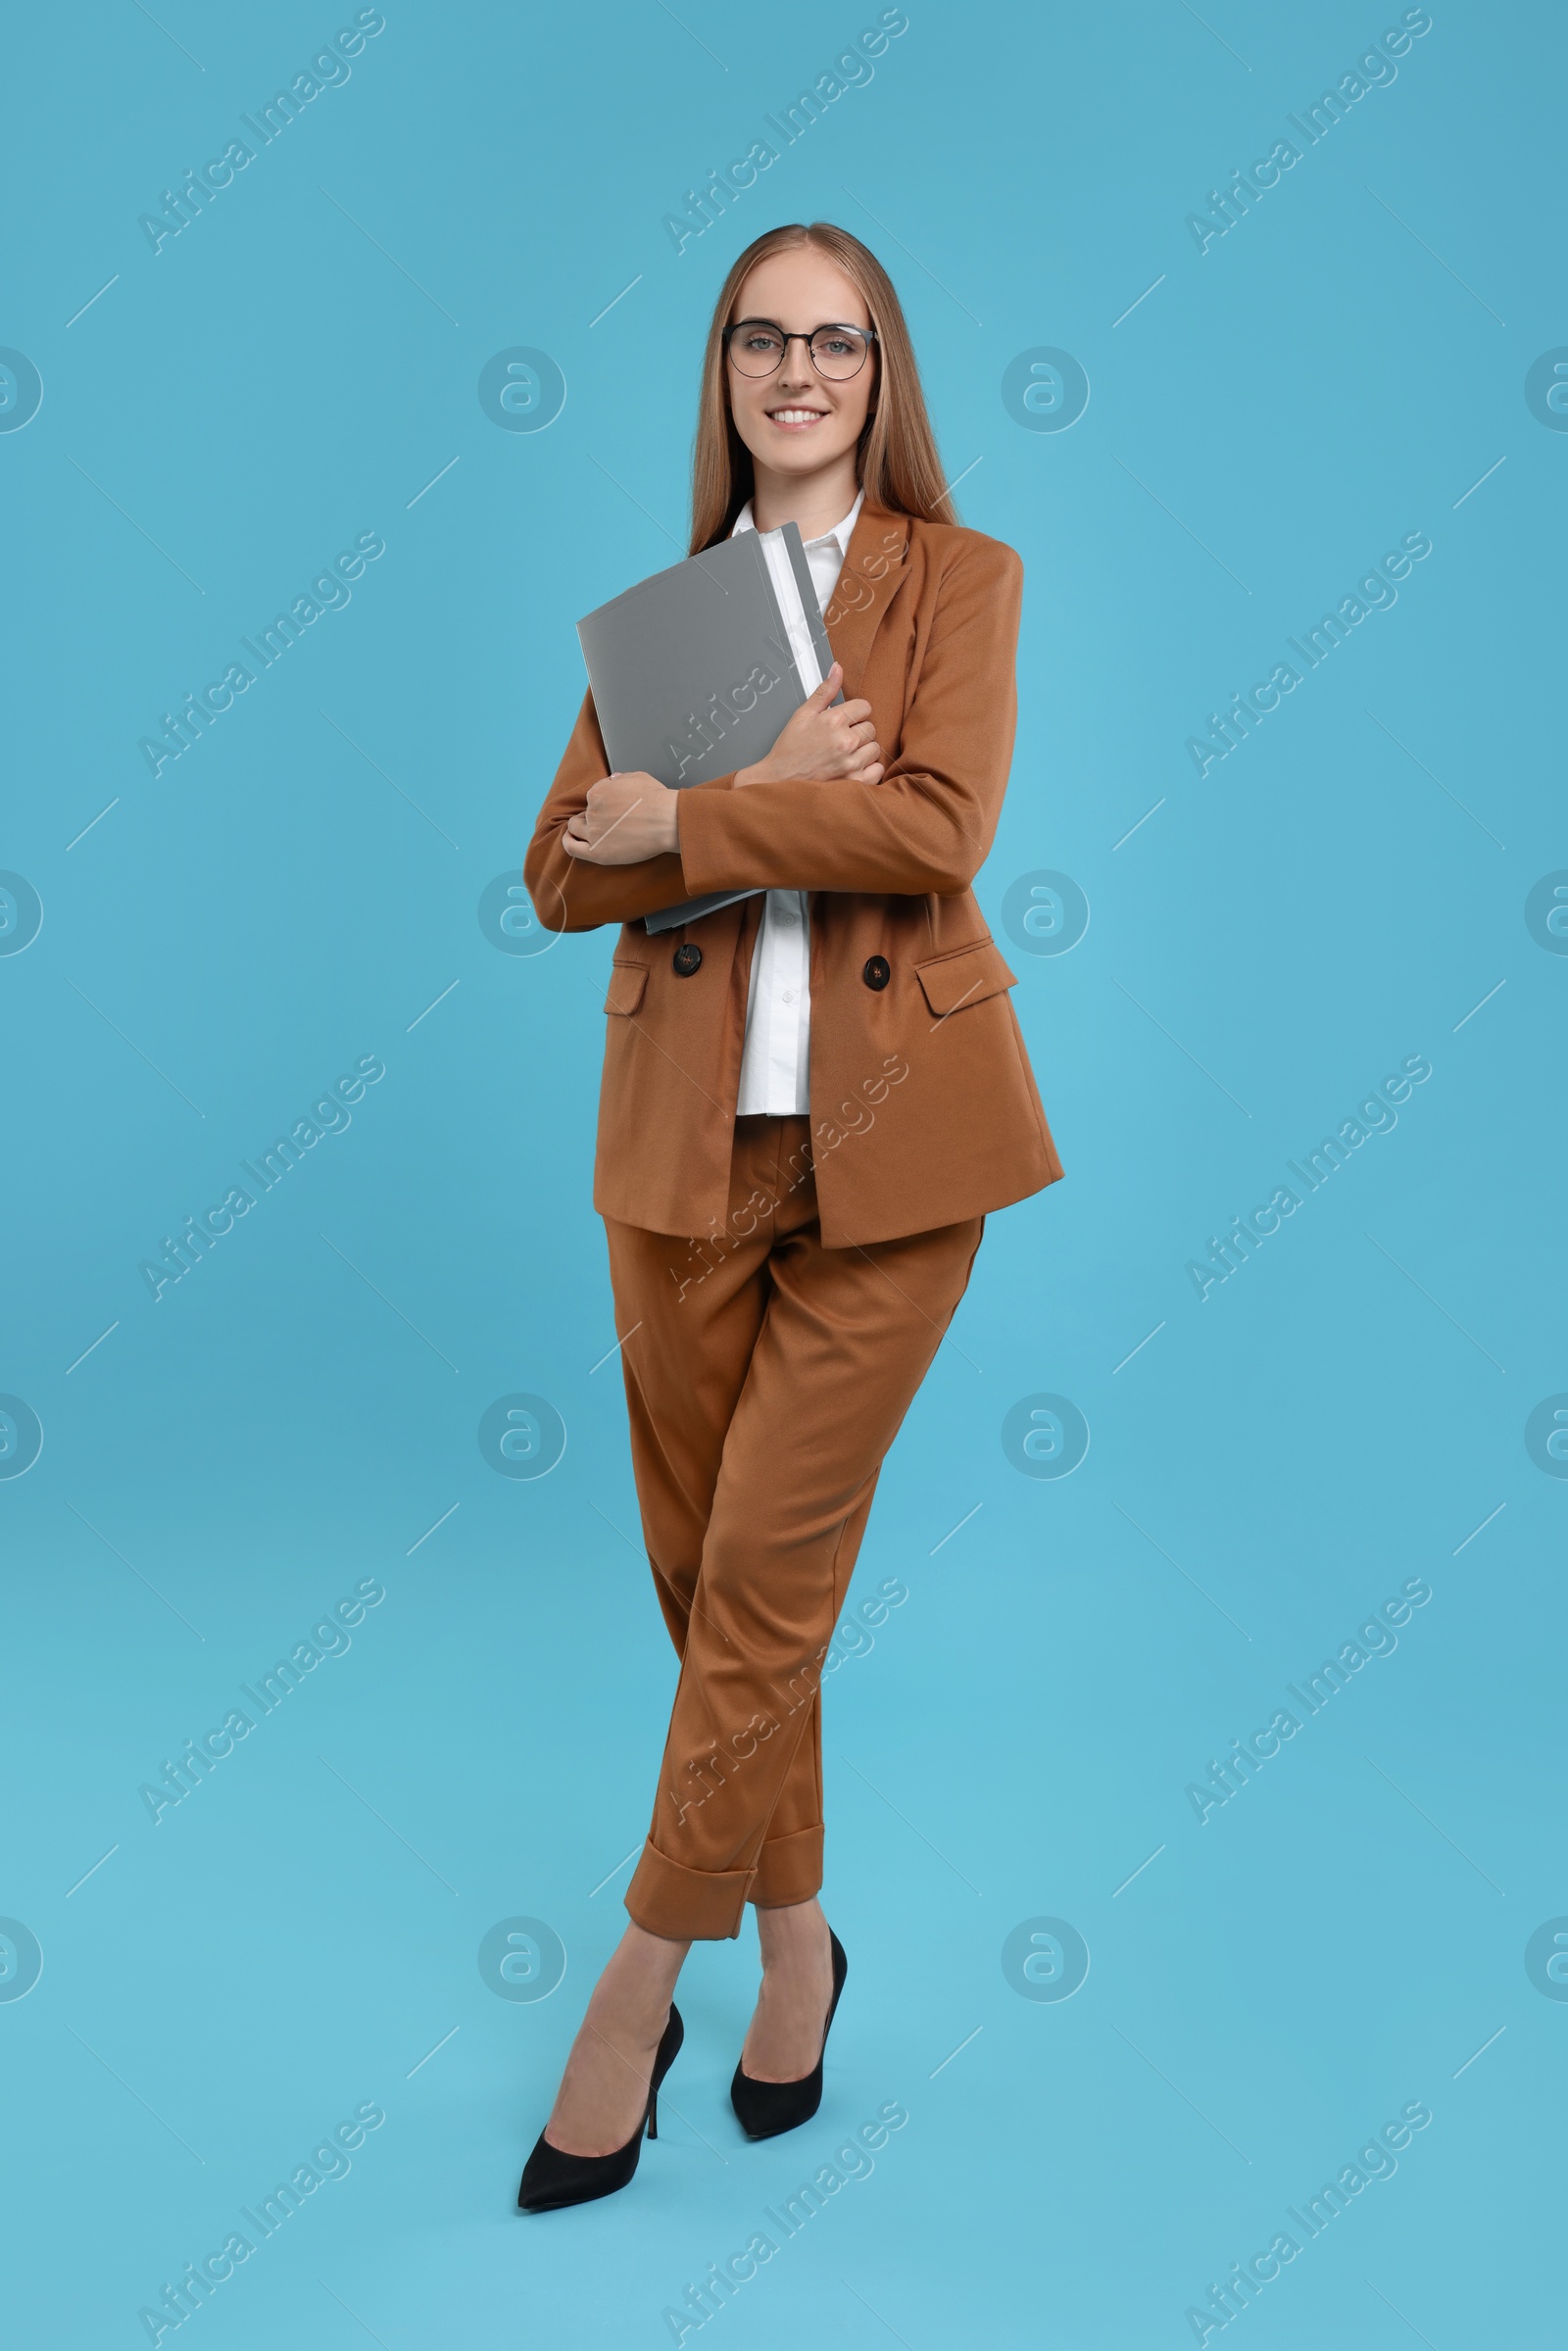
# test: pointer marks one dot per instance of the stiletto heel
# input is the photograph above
(766, 2108)
(551, 2177)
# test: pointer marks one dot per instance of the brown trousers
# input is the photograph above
(767, 1376)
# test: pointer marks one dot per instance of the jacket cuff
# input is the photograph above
(699, 831)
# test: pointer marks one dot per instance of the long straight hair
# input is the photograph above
(897, 459)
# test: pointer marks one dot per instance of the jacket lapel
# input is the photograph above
(878, 558)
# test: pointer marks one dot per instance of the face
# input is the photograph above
(795, 421)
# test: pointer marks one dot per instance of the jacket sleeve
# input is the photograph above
(928, 824)
(572, 894)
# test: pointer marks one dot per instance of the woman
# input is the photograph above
(810, 1101)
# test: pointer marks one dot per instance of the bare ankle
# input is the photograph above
(793, 1938)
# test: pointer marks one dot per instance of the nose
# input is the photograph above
(795, 370)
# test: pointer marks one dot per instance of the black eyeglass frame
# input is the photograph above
(868, 335)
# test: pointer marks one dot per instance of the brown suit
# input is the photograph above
(781, 1284)
(922, 1081)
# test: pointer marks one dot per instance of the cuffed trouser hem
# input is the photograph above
(684, 1905)
(789, 1870)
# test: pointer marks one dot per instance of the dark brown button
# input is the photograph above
(879, 971)
(688, 959)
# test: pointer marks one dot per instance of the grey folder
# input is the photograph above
(696, 670)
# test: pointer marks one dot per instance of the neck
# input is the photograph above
(816, 502)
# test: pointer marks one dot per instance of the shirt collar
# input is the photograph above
(840, 533)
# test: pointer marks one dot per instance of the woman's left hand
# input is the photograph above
(626, 818)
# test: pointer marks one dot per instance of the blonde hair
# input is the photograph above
(897, 459)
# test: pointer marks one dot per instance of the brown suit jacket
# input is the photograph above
(923, 1105)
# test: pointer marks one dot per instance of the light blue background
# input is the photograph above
(295, 369)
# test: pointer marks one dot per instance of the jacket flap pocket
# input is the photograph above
(965, 976)
(626, 984)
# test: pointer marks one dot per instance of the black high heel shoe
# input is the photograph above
(766, 2108)
(551, 2177)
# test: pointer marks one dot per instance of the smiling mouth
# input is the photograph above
(796, 420)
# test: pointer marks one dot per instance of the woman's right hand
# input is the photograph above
(822, 739)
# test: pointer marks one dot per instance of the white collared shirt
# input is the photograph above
(775, 1061)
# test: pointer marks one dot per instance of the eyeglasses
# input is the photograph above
(757, 345)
